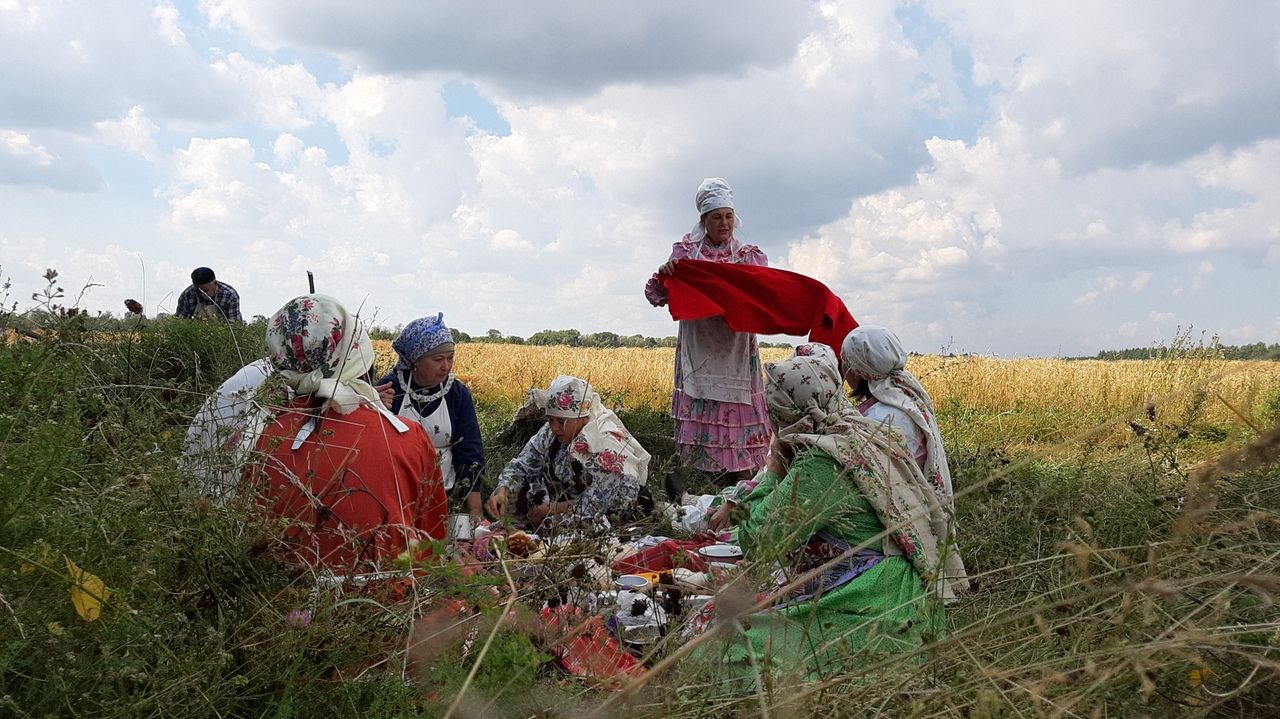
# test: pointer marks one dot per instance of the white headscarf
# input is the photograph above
(875, 354)
(713, 194)
(321, 349)
(604, 442)
(808, 406)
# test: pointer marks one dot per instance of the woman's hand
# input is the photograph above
(497, 505)
(668, 267)
(542, 511)
(720, 519)
(780, 456)
(386, 393)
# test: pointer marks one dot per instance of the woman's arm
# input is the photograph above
(810, 497)
(531, 462)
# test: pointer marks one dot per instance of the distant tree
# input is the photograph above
(571, 338)
(602, 339)
(459, 336)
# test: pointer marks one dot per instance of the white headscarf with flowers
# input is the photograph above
(322, 350)
(875, 354)
(806, 401)
(604, 444)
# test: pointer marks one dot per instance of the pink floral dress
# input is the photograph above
(716, 435)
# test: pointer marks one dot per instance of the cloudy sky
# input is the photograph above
(1008, 177)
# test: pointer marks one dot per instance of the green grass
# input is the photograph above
(1105, 575)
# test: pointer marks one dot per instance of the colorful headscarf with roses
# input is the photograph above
(320, 349)
(807, 403)
(604, 443)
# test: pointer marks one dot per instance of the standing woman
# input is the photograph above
(719, 402)
(423, 389)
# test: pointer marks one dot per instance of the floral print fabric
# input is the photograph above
(602, 469)
(598, 486)
(320, 349)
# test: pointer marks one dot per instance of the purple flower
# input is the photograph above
(298, 618)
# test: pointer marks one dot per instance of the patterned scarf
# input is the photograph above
(875, 354)
(419, 338)
(320, 349)
(604, 444)
(807, 403)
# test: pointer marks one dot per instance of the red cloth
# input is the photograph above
(666, 556)
(763, 300)
(356, 492)
(592, 652)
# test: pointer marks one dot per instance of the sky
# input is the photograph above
(994, 177)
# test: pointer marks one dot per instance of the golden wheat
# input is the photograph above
(1020, 401)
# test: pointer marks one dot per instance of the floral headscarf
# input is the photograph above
(604, 443)
(875, 354)
(807, 403)
(713, 194)
(321, 349)
(419, 338)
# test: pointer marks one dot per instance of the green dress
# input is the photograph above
(883, 610)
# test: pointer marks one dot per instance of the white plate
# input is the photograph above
(721, 551)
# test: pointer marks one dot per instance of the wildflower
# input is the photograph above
(298, 618)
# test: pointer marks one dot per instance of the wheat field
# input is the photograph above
(1020, 402)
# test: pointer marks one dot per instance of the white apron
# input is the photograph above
(439, 428)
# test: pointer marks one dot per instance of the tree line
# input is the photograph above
(1254, 351)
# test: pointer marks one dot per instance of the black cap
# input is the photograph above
(202, 276)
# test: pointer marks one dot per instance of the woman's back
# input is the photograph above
(356, 490)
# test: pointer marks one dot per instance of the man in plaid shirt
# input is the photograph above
(207, 297)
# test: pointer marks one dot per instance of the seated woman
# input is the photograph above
(423, 389)
(581, 462)
(355, 485)
(875, 367)
(845, 483)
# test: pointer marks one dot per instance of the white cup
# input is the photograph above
(460, 527)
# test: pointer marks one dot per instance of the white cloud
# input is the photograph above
(68, 65)
(26, 161)
(19, 146)
(1100, 84)
(535, 47)
(283, 97)
(135, 132)
(166, 17)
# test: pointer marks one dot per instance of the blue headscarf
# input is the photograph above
(419, 338)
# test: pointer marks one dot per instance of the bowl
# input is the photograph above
(632, 583)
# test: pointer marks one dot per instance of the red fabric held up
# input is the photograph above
(762, 300)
